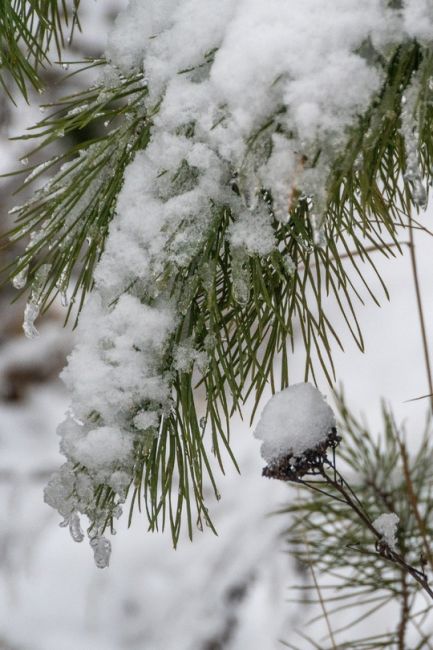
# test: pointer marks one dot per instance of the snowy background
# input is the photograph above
(227, 592)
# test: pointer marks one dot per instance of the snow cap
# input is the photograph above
(294, 420)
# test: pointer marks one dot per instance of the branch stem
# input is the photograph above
(420, 311)
(346, 493)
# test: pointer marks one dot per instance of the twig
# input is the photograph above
(414, 501)
(346, 493)
(319, 593)
(420, 311)
(405, 611)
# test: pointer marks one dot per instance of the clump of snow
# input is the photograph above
(293, 421)
(386, 525)
(186, 357)
(254, 232)
(146, 420)
(102, 447)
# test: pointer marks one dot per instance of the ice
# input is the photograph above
(101, 551)
(19, 281)
(72, 521)
(293, 421)
(386, 525)
(31, 312)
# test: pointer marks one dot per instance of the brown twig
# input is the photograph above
(414, 501)
(420, 311)
(340, 484)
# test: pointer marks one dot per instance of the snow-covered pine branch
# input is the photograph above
(270, 129)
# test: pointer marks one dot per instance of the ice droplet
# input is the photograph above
(64, 299)
(73, 522)
(240, 276)
(65, 66)
(75, 528)
(318, 227)
(419, 193)
(289, 265)
(101, 551)
(20, 279)
(24, 161)
(31, 313)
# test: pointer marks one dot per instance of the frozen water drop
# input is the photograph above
(419, 193)
(20, 279)
(65, 66)
(24, 161)
(31, 313)
(64, 299)
(289, 265)
(101, 551)
(75, 528)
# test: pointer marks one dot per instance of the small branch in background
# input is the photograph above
(328, 481)
(319, 594)
(414, 501)
(420, 312)
(405, 611)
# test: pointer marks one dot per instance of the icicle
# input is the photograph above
(101, 551)
(32, 309)
(20, 279)
(31, 313)
(318, 226)
(419, 193)
(409, 131)
(240, 276)
(358, 163)
(72, 522)
(289, 265)
(75, 527)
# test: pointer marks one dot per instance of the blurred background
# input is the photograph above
(228, 592)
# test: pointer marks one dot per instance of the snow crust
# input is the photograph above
(386, 525)
(293, 421)
(216, 72)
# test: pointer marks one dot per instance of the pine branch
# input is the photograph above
(68, 217)
(28, 29)
(239, 311)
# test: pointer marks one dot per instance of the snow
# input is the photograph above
(253, 232)
(386, 525)
(294, 420)
(102, 447)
